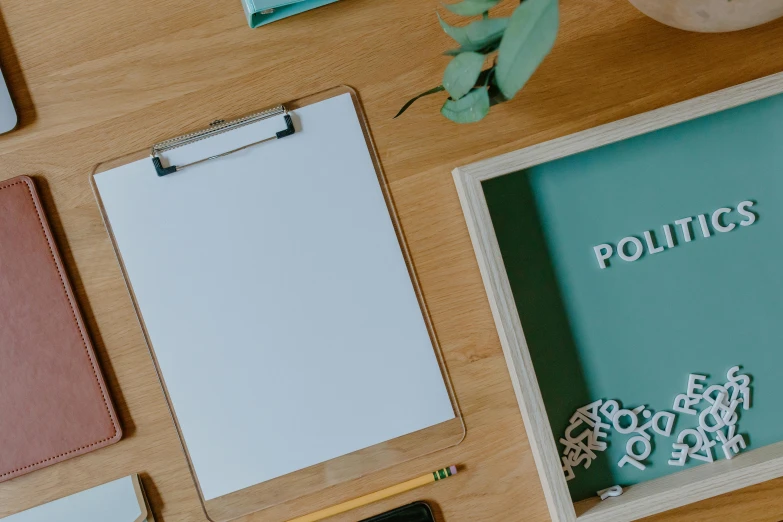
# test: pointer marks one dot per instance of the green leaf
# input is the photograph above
(495, 96)
(476, 34)
(487, 49)
(468, 109)
(529, 37)
(405, 107)
(485, 76)
(471, 7)
(461, 74)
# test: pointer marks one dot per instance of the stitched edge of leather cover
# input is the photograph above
(88, 348)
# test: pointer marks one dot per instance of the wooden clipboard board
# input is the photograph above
(340, 478)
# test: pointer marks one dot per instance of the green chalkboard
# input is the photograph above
(633, 331)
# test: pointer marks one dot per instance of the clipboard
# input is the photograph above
(343, 475)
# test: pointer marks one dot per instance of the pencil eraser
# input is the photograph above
(453, 470)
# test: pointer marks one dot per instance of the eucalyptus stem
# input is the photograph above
(515, 45)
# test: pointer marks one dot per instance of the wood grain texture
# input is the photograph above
(97, 80)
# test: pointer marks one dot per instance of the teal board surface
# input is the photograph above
(635, 330)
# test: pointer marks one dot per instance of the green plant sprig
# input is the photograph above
(515, 46)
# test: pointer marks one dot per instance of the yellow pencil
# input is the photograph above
(378, 495)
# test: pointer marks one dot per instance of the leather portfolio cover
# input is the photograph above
(53, 400)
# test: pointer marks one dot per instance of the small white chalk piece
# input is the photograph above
(679, 455)
(614, 491)
(609, 409)
(683, 403)
(628, 460)
(631, 426)
(695, 388)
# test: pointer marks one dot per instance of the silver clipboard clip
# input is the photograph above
(216, 128)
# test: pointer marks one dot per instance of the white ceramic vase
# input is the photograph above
(711, 16)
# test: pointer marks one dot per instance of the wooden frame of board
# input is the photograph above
(649, 497)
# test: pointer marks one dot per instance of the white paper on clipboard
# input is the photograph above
(274, 292)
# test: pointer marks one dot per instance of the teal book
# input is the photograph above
(262, 12)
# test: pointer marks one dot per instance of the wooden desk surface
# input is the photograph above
(95, 80)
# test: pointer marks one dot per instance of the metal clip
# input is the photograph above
(216, 128)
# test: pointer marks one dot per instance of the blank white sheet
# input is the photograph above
(114, 501)
(276, 298)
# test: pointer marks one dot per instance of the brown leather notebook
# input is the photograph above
(53, 400)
